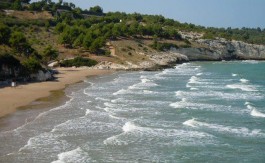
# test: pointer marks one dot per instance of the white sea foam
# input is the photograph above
(248, 88)
(88, 111)
(179, 93)
(111, 105)
(129, 126)
(244, 81)
(180, 104)
(256, 113)
(114, 117)
(119, 92)
(147, 92)
(142, 85)
(240, 131)
(188, 85)
(76, 155)
(114, 140)
(250, 107)
(190, 122)
(247, 103)
(193, 89)
(234, 75)
(193, 80)
(142, 77)
(250, 61)
(199, 74)
(145, 80)
(101, 99)
(116, 100)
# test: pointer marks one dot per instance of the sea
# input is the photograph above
(194, 112)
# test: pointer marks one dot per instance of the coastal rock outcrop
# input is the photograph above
(167, 58)
(41, 76)
(221, 49)
(156, 61)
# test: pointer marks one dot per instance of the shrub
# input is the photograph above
(4, 34)
(78, 61)
(163, 46)
(31, 65)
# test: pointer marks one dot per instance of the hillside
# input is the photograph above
(39, 33)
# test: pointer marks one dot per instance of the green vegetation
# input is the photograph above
(49, 53)
(31, 65)
(78, 62)
(163, 46)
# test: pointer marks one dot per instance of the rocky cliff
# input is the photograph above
(201, 50)
(221, 49)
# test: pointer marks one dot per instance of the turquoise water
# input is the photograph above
(195, 112)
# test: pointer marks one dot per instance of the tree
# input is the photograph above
(96, 10)
(69, 35)
(25, 1)
(60, 2)
(17, 5)
(88, 39)
(49, 53)
(79, 41)
(31, 65)
(17, 40)
(4, 34)
(96, 44)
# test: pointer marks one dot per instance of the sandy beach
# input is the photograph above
(24, 94)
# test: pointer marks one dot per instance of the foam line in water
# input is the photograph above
(147, 92)
(129, 126)
(244, 80)
(247, 103)
(180, 104)
(240, 131)
(119, 92)
(248, 88)
(111, 105)
(250, 61)
(145, 80)
(101, 99)
(191, 122)
(179, 93)
(250, 107)
(256, 113)
(234, 75)
(193, 80)
(193, 89)
(114, 141)
(76, 155)
(199, 74)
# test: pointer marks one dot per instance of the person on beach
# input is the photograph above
(13, 83)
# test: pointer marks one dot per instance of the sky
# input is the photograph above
(209, 13)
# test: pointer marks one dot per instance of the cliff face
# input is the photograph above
(221, 49)
(203, 50)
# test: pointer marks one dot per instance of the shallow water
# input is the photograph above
(195, 112)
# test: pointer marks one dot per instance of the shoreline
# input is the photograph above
(54, 95)
(32, 94)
